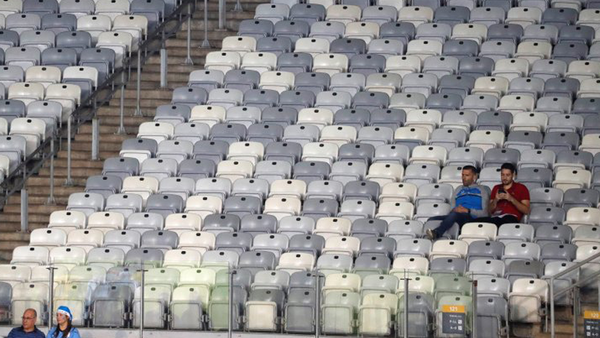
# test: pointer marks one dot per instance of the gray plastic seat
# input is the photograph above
(402, 31)
(275, 45)
(255, 261)
(558, 141)
(546, 197)
(591, 125)
(104, 185)
(451, 15)
(487, 15)
(164, 204)
(548, 69)
(369, 228)
(370, 101)
(370, 264)
(295, 62)
(197, 168)
(576, 34)
(242, 205)
(524, 269)
(420, 314)
(560, 17)
(522, 140)
(581, 198)
(485, 250)
(8, 38)
(443, 102)
(325, 189)
(361, 190)
(103, 59)
(38, 38)
(309, 13)
(535, 177)
(559, 234)
(546, 215)
(121, 167)
(189, 96)
(586, 106)
(367, 64)
(241, 79)
(256, 28)
(297, 99)
(154, 10)
(293, 29)
(109, 302)
(505, 32)
(228, 132)
(460, 48)
(447, 266)
(356, 152)
(312, 244)
(495, 157)
(558, 252)
(144, 258)
(299, 311)
(283, 151)
(261, 98)
(348, 47)
(59, 22)
(59, 57)
(213, 150)
(237, 242)
(259, 223)
(12, 109)
(301, 134)
(78, 40)
(391, 118)
(314, 82)
(476, 66)
(456, 85)
(318, 208)
(384, 246)
(570, 51)
(215, 222)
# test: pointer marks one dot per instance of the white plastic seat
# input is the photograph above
(429, 154)
(385, 173)
(469, 31)
(474, 231)
(296, 261)
(95, 25)
(183, 222)
(428, 119)
(136, 25)
(526, 300)
(580, 216)
(208, 114)
(277, 80)
(239, 44)
(260, 61)
(330, 63)
(568, 178)
(288, 188)
(533, 50)
(343, 13)
(68, 95)
(415, 15)
(121, 42)
(524, 16)
(234, 169)
(319, 117)
(320, 151)
(246, 151)
(392, 211)
(366, 31)
(486, 139)
(282, 206)
(590, 143)
(424, 48)
(106, 221)
(449, 248)
(398, 192)
(312, 45)
(31, 129)
(158, 131)
(223, 61)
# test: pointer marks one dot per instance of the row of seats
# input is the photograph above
(61, 13)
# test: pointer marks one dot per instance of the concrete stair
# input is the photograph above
(110, 143)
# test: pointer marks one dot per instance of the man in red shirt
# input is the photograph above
(509, 201)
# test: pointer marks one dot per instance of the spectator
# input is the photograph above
(509, 200)
(470, 200)
(28, 328)
(63, 329)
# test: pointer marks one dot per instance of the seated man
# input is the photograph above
(470, 200)
(509, 200)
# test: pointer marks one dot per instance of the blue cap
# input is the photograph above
(66, 311)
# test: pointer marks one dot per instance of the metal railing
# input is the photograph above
(553, 294)
(87, 110)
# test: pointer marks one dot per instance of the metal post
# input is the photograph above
(163, 68)
(24, 210)
(576, 310)
(142, 309)
(188, 59)
(50, 295)
(95, 139)
(51, 200)
(406, 280)
(69, 181)
(230, 305)
(552, 333)
(222, 14)
(317, 304)
(238, 6)
(121, 130)
(474, 320)
(205, 43)
(138, 108)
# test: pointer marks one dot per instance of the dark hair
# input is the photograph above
(471, 168)
(509, 166)
(66, 332)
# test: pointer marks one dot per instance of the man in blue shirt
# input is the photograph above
(470, 200)
(28, 329)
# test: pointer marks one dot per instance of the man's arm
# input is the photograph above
(523, 206)
(483, 212)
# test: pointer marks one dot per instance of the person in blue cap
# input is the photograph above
(63, 329)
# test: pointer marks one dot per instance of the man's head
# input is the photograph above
(507, 173)
(29, 318)
(469, 175)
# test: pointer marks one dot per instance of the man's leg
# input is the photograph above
(498, 220)
(449, 220)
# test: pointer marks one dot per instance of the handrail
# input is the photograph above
(577, 266)
(87, 110)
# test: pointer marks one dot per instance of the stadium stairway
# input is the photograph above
(110, 143)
